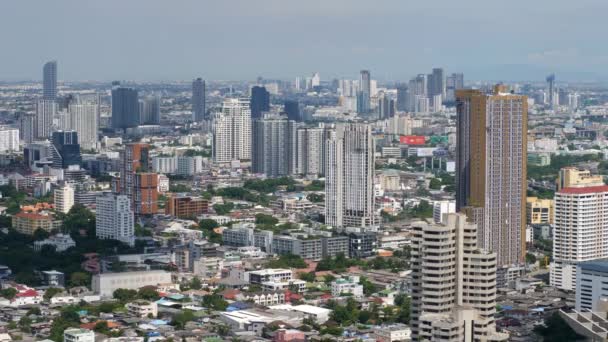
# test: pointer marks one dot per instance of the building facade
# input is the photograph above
(64, 199)
(115, 218)
(198, 100)
(232, 131)
(9, 139)
(274, 142)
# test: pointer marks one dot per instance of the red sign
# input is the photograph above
(412, 139)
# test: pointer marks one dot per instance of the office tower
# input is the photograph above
(453, 83)
(437, 103)
(550, 89)
(422, 104)
(417, 88)
(198, 100)
(45, 112)
(125, 108)
(453, 283)
(274, 141)
(136, 181)
(260, 101)
(580, 232)
(386, 107)
(491, 160)
(64, 198)
(315, 80)
(232, 131)
(114, 218)
(364, 94)
(310, 150)
(9, 139)
(298, 83)
(573, 101)
(27, 127)
(436, 83)
(84, 119)
(292, 109)
(402, 97)
(149, 110)
(349, 195)
(65, 149)
(49, 81)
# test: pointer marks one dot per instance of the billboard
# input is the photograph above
(425, 151)
(412, 139)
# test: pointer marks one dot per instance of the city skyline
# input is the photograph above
(379, 44)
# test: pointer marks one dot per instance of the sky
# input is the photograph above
(154, 40)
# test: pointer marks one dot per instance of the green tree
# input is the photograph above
(40, 234)
(196, 284)
(223, 209)
(265, 219)
(9, 293)
(435, 184)
(50, 292)
(208, 224)
(179, 321)
(307, 276)
(125, 295)
(147, 293)
(80, 279)
(25, 324)
(215, 302)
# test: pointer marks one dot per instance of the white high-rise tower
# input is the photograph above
(232, 131)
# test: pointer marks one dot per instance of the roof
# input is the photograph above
(584, 190)
(33, 216)
(599, 265)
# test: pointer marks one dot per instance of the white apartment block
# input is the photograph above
(45, 112)
(580, 232)
(310, 150)
(142, 308)
(349, 167)
(232, 131)
(453, 283)
(78, 335)
(440, 208)
(115, 218)
(64, 199)
(9, 139)
(348, 285)
(84, 119)
(61, 242)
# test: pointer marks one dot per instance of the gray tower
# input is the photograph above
(49, 81)
(125, 108)
(198, 100)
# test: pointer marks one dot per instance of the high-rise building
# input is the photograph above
(136, 181)
(539, 211)
(84, 119)
(49, 81)
(550, 89)
(292, 109)
(125, 108)
(149, 110)
(436, 83)
(310, 150)
(65, 149)
(315, 80)
(9, 139)
(580, 230)
(273, 145)
(232, 131)
(386, 107)
(349, 173)
(491, 171)
(453, 83)
(402, 97)
(260, 101)
(64, 198)
(45, 112)
(365, 92)
(453, 283)
(198, 100)
(114, 218)
(417, 88)
(27, 127)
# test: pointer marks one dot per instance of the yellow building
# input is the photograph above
(571, 177)
(28, 223)
(539, 211)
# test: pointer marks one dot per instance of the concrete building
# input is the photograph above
(581, 226)
(9, 139)
(539, 211)
(28, 223)
(453, 283)
(198, 100)
(491, 171)
(349, 165)
(64, 198)
(125, 108)
(105, 284)
(45, 112)
(591, 279)
(136, 180)
(273, 146)
(349, 285)
(572, 177)
(186, 206)
(334, 246)
(310, 150)
(453, 83)
(232, 131)
(440, 208)
(83, 117)
(49, 81)
(149, 110)
(78, 335)
(362, 245)
(60, 242)
(115, 218)
(393, 333)
(305, 248)
(142, 308)
(270, 274)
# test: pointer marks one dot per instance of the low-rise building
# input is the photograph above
(61, 242)
(142, 308)
(106, 283)
(393, 333)
(186, 206)
(349, 285)
(539, 211)
(28, 223)
(78, 335)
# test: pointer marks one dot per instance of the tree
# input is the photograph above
(368, 287)
(307, 276)
(179, 321)
(196, 284)
(147, 293)
(530, 258)
(80, 279)
(9, 293)
(125, 295)
(50, 292)
(265, 219)
(40, 234)
(223, 209)
(25, 324)
(208, 224)
(287, 261)
(556, 329)
(215, 302)
(435, 184)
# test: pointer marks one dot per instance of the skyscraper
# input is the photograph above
(386, 107)
(125, 108)
(136, 181)
(292, 109)
(453, 83)
(364, 95)
(9, 139)
(45, 111)
(260, 101)
(310, 150)
(581, 224)
(453, 283)
(66, 149)
(436, 83)
(27, 127)
(49, 81)
(550, 89)
(149, 110)
(232, 131)
(417, 89)
(84, 118)
(115, 218)
(198, 100)
(491, 171)
(402, 97)
(273, 145)
(349, 195)
(64, 198)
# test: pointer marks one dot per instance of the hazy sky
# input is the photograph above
(241, 39)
